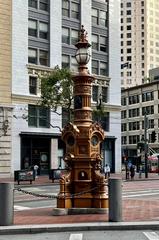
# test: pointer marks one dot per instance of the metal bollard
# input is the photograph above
(115, 199)
(6, 204)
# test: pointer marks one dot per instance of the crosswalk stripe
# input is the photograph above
(76, 236)
(141, 191)
(20, 208)
(141, 194)
(151, 235)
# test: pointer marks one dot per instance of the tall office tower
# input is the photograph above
(5, 86)
(139, 40)
(43, 36)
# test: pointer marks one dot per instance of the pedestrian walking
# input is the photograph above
(36, 167)
(132, 172)
(140, 171)
(107, 171)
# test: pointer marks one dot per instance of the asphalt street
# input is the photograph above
(88, 235)
(131, 190)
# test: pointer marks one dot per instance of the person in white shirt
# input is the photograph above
(107, 171)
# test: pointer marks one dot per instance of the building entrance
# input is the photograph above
(35, 151)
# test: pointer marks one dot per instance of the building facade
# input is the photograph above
(43, 39)
(140, 116)
(139, 40)
(5, 86)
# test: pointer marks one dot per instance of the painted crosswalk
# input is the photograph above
(140, 193)
(20, 208)
(151, 235)
(78, 236)
(148, 235)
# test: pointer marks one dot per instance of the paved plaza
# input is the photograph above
(140, 203)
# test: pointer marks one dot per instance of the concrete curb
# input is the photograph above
(44, 228)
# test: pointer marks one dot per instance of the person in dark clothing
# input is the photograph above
(132, 172)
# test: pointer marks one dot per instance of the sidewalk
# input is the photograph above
(134, 209)
(44, 180)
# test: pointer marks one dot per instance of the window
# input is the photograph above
(103, 68)
(74, 64)
(32, 85)
(104, 94)
(128, 20)
(74, 37)
(102, 18)
(32, 30)
(65, 8)
(38, 116)
(124, 140)
(94, 16)
(151, 123)
(65, 36)
(123, 101)
(128, 35)
(128, 43)
(123, 114)
(134, 139)
(65, 61)
(66, 116)
(95, 42)
(104, 120)
(128, 50)
(95, 93)
(33, 3)
(134, 112)
(95, 67)
(134, 126)
(129, 27)
(147, 96)
(102, 43)
(32, 56)
(128, 12)
(43, 30)
(128, 58)
(43, 5)
(43, 58)
(75, 10)
(148, 110)
(128, 4)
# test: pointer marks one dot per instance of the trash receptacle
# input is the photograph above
(6, 204)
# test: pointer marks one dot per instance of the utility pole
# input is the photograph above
(146, 144)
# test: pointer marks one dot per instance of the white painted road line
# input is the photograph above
(20, 208)
(151, 235)
(140, 195)
(76, 236)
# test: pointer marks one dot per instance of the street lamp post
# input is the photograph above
(146, 145)
(84, 186)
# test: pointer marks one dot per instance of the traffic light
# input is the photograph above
(153, 136)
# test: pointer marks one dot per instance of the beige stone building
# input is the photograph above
(139, 40)
(139, 103)
(5, 86)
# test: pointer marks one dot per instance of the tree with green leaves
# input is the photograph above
(57, 90)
